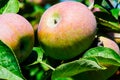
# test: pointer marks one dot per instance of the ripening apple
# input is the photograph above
(17, 33)
(107, 42)
(66, 30)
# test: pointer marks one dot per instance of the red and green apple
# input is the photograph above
(66, 30)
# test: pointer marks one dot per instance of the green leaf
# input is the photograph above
(9, 6)
(89, 3)
(40, 75)
(115, 12)
(9, 67)
(40, 60)
(40, 52)
(8, 75)
(104, 56)
(102, 9)
(75, 67)
(106, 4)
(96, 74)
(107, 21)
(67, 78)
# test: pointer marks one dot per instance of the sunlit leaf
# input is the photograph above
(89, 3)
(105, 57)
(108, 22)
(5, 74)
(115, 12)
(9, 68)
(102, 9)
(9, 6)
(39, 51)
(75, 67)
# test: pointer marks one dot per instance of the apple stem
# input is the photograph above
(47, 65)
(41, 62)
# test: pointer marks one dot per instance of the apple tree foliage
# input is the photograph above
(96, 63)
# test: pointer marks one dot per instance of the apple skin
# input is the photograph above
(17, 33)
(107, 42)
(66, 30)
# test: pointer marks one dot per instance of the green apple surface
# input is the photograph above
(66, 30)
(17, 33)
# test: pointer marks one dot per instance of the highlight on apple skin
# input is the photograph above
(66, 30)
(17, 33)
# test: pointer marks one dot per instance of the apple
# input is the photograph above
(107, 42)
(66, 29)
(115, 36)
(17, 33)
